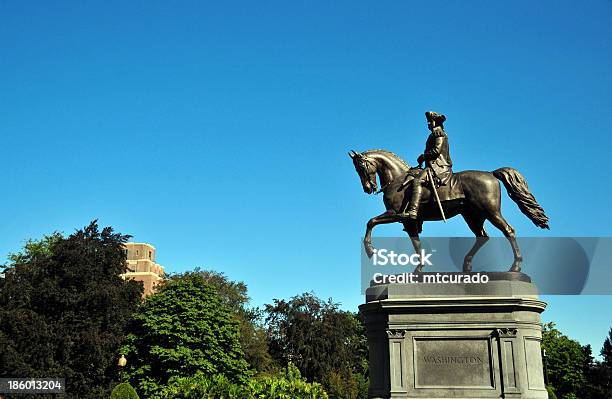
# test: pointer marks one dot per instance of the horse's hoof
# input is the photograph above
(515, 268)
(467, 267)
(418, 269)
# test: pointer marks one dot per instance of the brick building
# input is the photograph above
(142, 267)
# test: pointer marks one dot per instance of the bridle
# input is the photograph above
(367, 163)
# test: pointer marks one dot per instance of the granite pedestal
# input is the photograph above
(455, 340)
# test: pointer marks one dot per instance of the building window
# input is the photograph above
(149, 254)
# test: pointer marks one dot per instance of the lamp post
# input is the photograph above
(121, 364)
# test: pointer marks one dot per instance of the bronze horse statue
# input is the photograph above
(482, 201)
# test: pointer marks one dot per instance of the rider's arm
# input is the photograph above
(434, 152)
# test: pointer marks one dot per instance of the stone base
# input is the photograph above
(481, 341)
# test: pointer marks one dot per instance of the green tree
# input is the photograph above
(64, 309)
(606, 350)
(253, 337)
(604, 375)
(183, 330)
(566, 362)
(327, 344)
(592, 370)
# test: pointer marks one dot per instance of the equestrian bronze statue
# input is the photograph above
(414, 195)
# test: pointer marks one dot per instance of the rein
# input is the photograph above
(382, 188)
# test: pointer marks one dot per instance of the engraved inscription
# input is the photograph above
(453, 359)
(453, 362)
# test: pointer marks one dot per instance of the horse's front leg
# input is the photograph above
(384, 218)
(412, 228)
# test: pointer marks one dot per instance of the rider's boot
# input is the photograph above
(415, 201)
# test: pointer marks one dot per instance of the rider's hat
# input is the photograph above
(432, 116)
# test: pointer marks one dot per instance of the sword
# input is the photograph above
(433, 187)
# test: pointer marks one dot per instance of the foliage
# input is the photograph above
(288, 385)
(606, 351)
(346, 384)
(64, 309)
(326, 344)
(124, 391)
(200, 386)
(594, 376)
(603, 373)
(253, 337)
(572, 369)
(565, 362)
(551, 392)
(183, 330)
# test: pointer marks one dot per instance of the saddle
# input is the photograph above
(452, 190)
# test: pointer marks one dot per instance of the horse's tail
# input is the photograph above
(519, 192)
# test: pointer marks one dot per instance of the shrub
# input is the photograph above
(346, 385)
(124, 391)
(289, 384)
(201, 386)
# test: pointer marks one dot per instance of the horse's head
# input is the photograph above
(366, 168)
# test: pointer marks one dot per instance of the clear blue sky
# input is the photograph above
(218, 131)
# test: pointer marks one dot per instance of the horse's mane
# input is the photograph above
(391, 154)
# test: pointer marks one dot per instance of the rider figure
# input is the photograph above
(436, 157)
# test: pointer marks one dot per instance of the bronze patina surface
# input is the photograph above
(414, 195)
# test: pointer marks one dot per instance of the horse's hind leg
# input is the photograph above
(476, 224)
(498, 221)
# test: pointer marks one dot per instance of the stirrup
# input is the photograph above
(412, 214)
